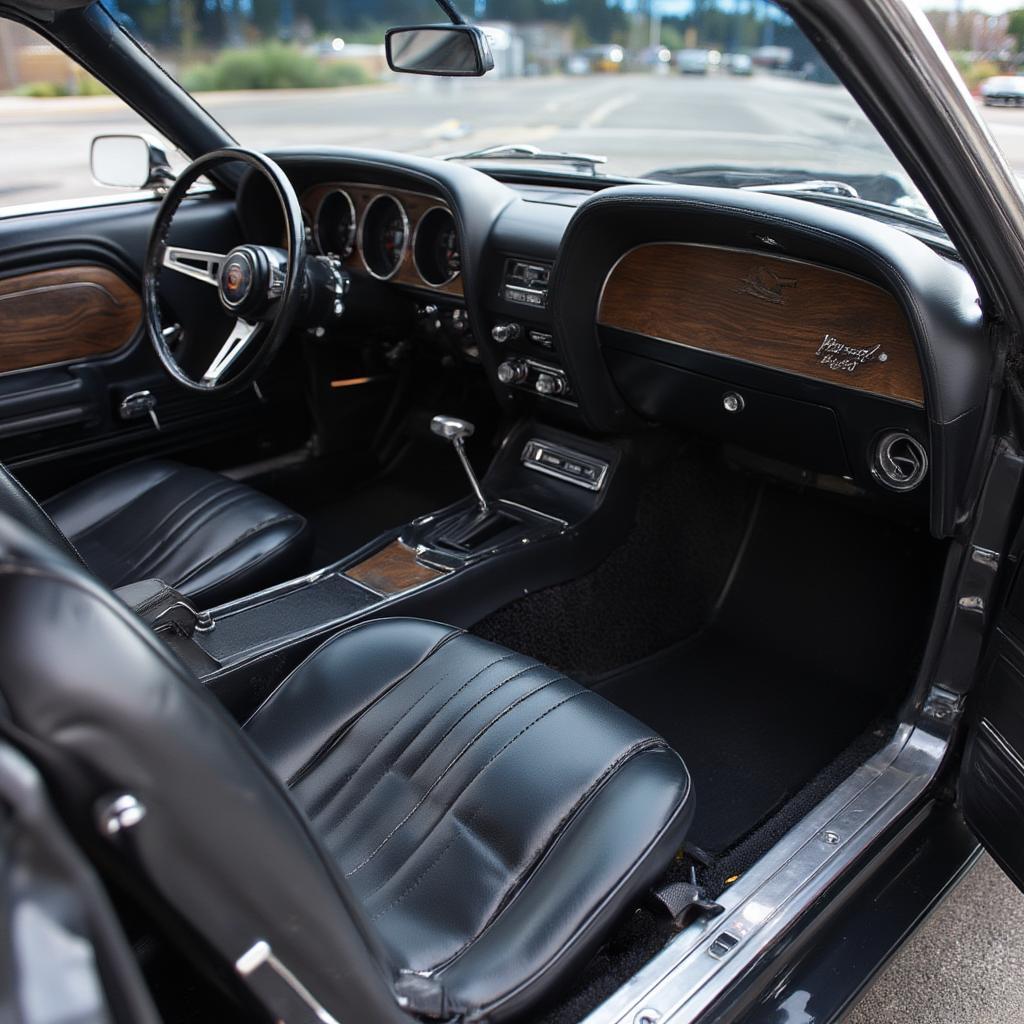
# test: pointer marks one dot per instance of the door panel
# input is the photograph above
(72, 345)
(992, 773)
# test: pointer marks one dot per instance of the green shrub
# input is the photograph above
(43, 90)
(271, 66)
(975, 72)
(89, 86)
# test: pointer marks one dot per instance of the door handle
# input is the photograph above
(139, 403)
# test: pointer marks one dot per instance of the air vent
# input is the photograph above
(900, 461)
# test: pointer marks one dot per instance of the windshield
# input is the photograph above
(725, 92)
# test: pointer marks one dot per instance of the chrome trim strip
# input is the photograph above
(685, 979)
(416, 234)
(1004, 746)
(351, 242)
(361, 235)
(87, 202)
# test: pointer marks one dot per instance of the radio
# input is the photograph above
(526, 283)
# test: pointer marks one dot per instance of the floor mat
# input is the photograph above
(751, 726)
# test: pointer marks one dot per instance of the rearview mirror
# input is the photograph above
(129, 161)
(459, 50)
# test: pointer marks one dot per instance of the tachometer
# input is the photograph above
(385, 236)
(335, 225)
(435, 249)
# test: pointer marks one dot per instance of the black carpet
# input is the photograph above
(751, 726)
(818, 636)
(774, 665)
(657, 588)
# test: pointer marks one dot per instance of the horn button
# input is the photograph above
(251, 277)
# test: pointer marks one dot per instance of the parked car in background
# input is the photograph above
(1003, 90)
(604, 59)
(693, 62)
(739, 63)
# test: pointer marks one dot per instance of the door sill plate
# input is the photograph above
(696, 967)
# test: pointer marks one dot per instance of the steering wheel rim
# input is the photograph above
(264, 337)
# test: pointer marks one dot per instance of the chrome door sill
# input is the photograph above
(696, 967)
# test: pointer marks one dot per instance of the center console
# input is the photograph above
(553, 505)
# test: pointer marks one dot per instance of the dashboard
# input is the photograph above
(837, 345)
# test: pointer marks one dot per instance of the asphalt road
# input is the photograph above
(640, 122)
(964, 966)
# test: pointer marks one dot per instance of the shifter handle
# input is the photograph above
(455, 430)
(451, 428)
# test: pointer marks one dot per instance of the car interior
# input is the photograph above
(530, 555)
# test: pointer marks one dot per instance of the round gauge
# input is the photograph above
(435, 249)
(335, 224)
(385, 236)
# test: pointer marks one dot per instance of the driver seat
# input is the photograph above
(209, 537)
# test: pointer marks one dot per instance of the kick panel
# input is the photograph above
(64, 314)
(771, 311)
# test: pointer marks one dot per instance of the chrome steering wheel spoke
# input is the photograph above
(195, 263)
(239, 338)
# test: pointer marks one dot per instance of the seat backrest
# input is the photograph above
(105, 710)
(17, 503)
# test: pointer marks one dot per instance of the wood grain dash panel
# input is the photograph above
(392, 570)
(415, 205)
(54, 316)
(772, 311)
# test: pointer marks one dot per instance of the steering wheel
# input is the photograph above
(259, 285)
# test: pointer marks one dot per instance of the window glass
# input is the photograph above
(721, 92)
(50, 111)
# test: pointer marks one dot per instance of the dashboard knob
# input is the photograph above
(550, 384)
(513, 371)
(505, 332)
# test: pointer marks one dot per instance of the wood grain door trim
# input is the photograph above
(772, 311)
(65, 314)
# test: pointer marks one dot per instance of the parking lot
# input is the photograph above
(640, 122)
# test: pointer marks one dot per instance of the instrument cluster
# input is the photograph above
(391, 235)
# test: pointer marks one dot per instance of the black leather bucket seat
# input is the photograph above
(209, 537)
(416, 821)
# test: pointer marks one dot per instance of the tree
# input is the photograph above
(1015, 27)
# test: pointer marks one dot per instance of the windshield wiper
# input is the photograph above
(904, 209)
(825, 186)
(582, 162)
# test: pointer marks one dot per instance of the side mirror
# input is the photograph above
(458, 50)
(129, 161)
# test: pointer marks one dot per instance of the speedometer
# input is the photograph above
(335, 225)
(385, 236)
(435, 249)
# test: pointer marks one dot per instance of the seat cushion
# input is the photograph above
(492, 816)
(210, 537)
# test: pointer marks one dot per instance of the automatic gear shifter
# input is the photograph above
(456, 431)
